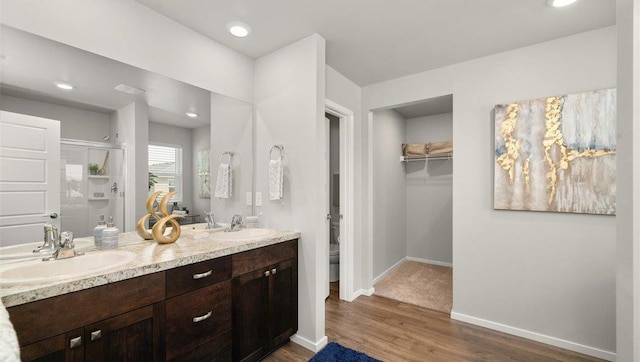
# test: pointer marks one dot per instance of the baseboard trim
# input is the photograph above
(432, 262)
(557, 342)
(311, 346)
(365, 292)
(377, 279)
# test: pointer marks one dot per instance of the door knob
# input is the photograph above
(328, 216)
(53, 215)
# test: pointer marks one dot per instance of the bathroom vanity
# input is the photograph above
(191, 300)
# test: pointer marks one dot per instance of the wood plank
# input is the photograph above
(394, 331)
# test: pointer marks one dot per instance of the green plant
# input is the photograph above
(152, 180)
(93, 168)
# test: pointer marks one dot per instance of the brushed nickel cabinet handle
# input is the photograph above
(202, 275)
(96, 335)
(202, 317)
(75, 342)
(274, 270)
(267, 273)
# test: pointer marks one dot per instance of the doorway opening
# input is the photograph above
(339, 188)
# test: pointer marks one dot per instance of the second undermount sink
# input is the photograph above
(38, 271)
(25, 251)
(243, 234)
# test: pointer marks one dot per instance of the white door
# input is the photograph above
(29, 177)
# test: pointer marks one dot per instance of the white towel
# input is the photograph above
(9, 348)
(224, 182)
(276, 179)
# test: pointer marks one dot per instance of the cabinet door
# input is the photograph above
(250, 315)
(63, 347)
(283, 302)
(127, 337)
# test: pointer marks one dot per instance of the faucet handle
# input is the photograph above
(66, 240)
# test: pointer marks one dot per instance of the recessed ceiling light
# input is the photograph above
(192, 114)
(239, 29)
(125, 88)
(62, 85)
(560, 3)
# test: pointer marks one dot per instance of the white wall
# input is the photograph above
(132, 125)
(545, 276)
(130, 32)
(170, 135)
(201, 138)
(232, 131)
(389, 190)
(628, 187)
(289, 110)
(429, 198)
(78, 124)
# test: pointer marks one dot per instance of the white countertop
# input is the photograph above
(151, 257)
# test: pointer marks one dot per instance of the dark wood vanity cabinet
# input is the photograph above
(238, 307)
(117, 321)
(265, 300)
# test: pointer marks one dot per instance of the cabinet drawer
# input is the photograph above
(263, 257)
(216, 349)
(194, 276)
(198, 316)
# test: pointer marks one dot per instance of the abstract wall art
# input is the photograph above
(557, 154)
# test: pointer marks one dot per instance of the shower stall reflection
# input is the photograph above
(85, 195)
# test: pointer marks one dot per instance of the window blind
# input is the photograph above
(166, 163)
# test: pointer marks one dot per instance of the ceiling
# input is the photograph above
(24, 74)
(370, 41)
(428, 107)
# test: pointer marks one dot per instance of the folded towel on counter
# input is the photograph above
(276, 179)
(224, 183)
(9, 348)
(438, 148)
(414, 149)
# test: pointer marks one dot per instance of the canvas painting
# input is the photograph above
(557, 154)
(204, 175)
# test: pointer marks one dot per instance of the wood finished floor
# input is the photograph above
(394, 331)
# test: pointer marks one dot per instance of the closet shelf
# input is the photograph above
(446, 156)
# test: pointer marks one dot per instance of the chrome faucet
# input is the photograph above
(236, 223)
(50, 240)
(65, 248)
(211, 223)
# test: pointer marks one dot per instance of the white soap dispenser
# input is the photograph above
(110, 235)
(97, 232)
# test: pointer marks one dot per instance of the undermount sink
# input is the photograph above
(249, 233)
(38, 271)
(25, 251)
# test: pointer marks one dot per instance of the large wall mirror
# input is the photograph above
(189, 133)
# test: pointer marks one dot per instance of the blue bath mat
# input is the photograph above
(333, 352)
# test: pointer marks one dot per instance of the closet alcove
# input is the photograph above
(412, 199)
